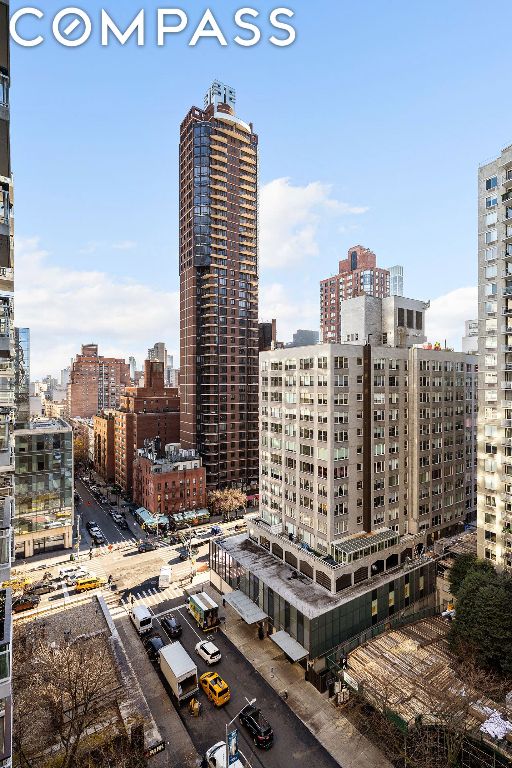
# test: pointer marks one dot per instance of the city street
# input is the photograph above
(293, 744)
(89, 508)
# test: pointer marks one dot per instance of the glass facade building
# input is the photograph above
(320, 623)
(44, 487)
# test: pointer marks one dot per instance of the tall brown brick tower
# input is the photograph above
(219, 290)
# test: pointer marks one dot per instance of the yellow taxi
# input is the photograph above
(89, 582)
(215, 688)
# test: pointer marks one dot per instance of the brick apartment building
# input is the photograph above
(357, 274)
(96, 382)
(144, 413)
(104, 459)
(174, 482)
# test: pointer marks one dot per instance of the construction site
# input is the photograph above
(410, 677)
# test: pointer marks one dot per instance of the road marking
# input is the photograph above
(188, 622)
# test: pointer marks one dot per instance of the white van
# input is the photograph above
(164, 579)
(142, 619)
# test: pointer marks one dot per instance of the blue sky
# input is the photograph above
(372, 125)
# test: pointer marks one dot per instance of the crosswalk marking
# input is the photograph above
(149, 597)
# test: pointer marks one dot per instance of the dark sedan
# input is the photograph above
(25, 603)
(153, 646)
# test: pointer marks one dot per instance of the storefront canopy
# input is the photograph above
(289, 646)
(244, 606)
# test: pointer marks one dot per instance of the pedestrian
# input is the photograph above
(90, 554)
(110, 579)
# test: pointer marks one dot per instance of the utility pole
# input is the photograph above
(78, 537)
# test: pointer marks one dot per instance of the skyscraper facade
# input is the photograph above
(495, 360)
(357, 274)
(219, 290)
(158, 352)
(7, 388)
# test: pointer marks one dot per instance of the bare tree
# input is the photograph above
(436, 738)
(64, 698)
(227, 502)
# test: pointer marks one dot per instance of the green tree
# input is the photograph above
(482, 625)
(461, 567)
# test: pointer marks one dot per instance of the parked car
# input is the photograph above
(25, 603)
(146, 546)
(215, 757)
(216, 529)
(208, 652)
(171, 626)
(72, 578)
(153, 646)
(261, 732)
(42, 588)
(64, 573)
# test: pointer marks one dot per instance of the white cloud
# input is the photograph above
(291, 312)
(66, 307)
(124, 245)
(447, 314)
(290, 218)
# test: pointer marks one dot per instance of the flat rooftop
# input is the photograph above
(45, 425)
(310, 598)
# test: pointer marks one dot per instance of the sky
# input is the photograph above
(371, 128)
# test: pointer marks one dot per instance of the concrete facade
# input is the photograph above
(495, 356)
(470, 338)
(353, 439)
(393, 321)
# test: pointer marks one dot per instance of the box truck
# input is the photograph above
(204, 610)
(179, 670)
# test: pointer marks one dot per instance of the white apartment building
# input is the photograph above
(359, 438)
(470, 338)
(367, 456)
(495, 355)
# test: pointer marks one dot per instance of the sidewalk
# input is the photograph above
(327, 723)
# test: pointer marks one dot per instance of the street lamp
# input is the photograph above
(78, 537)
(250, 703)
